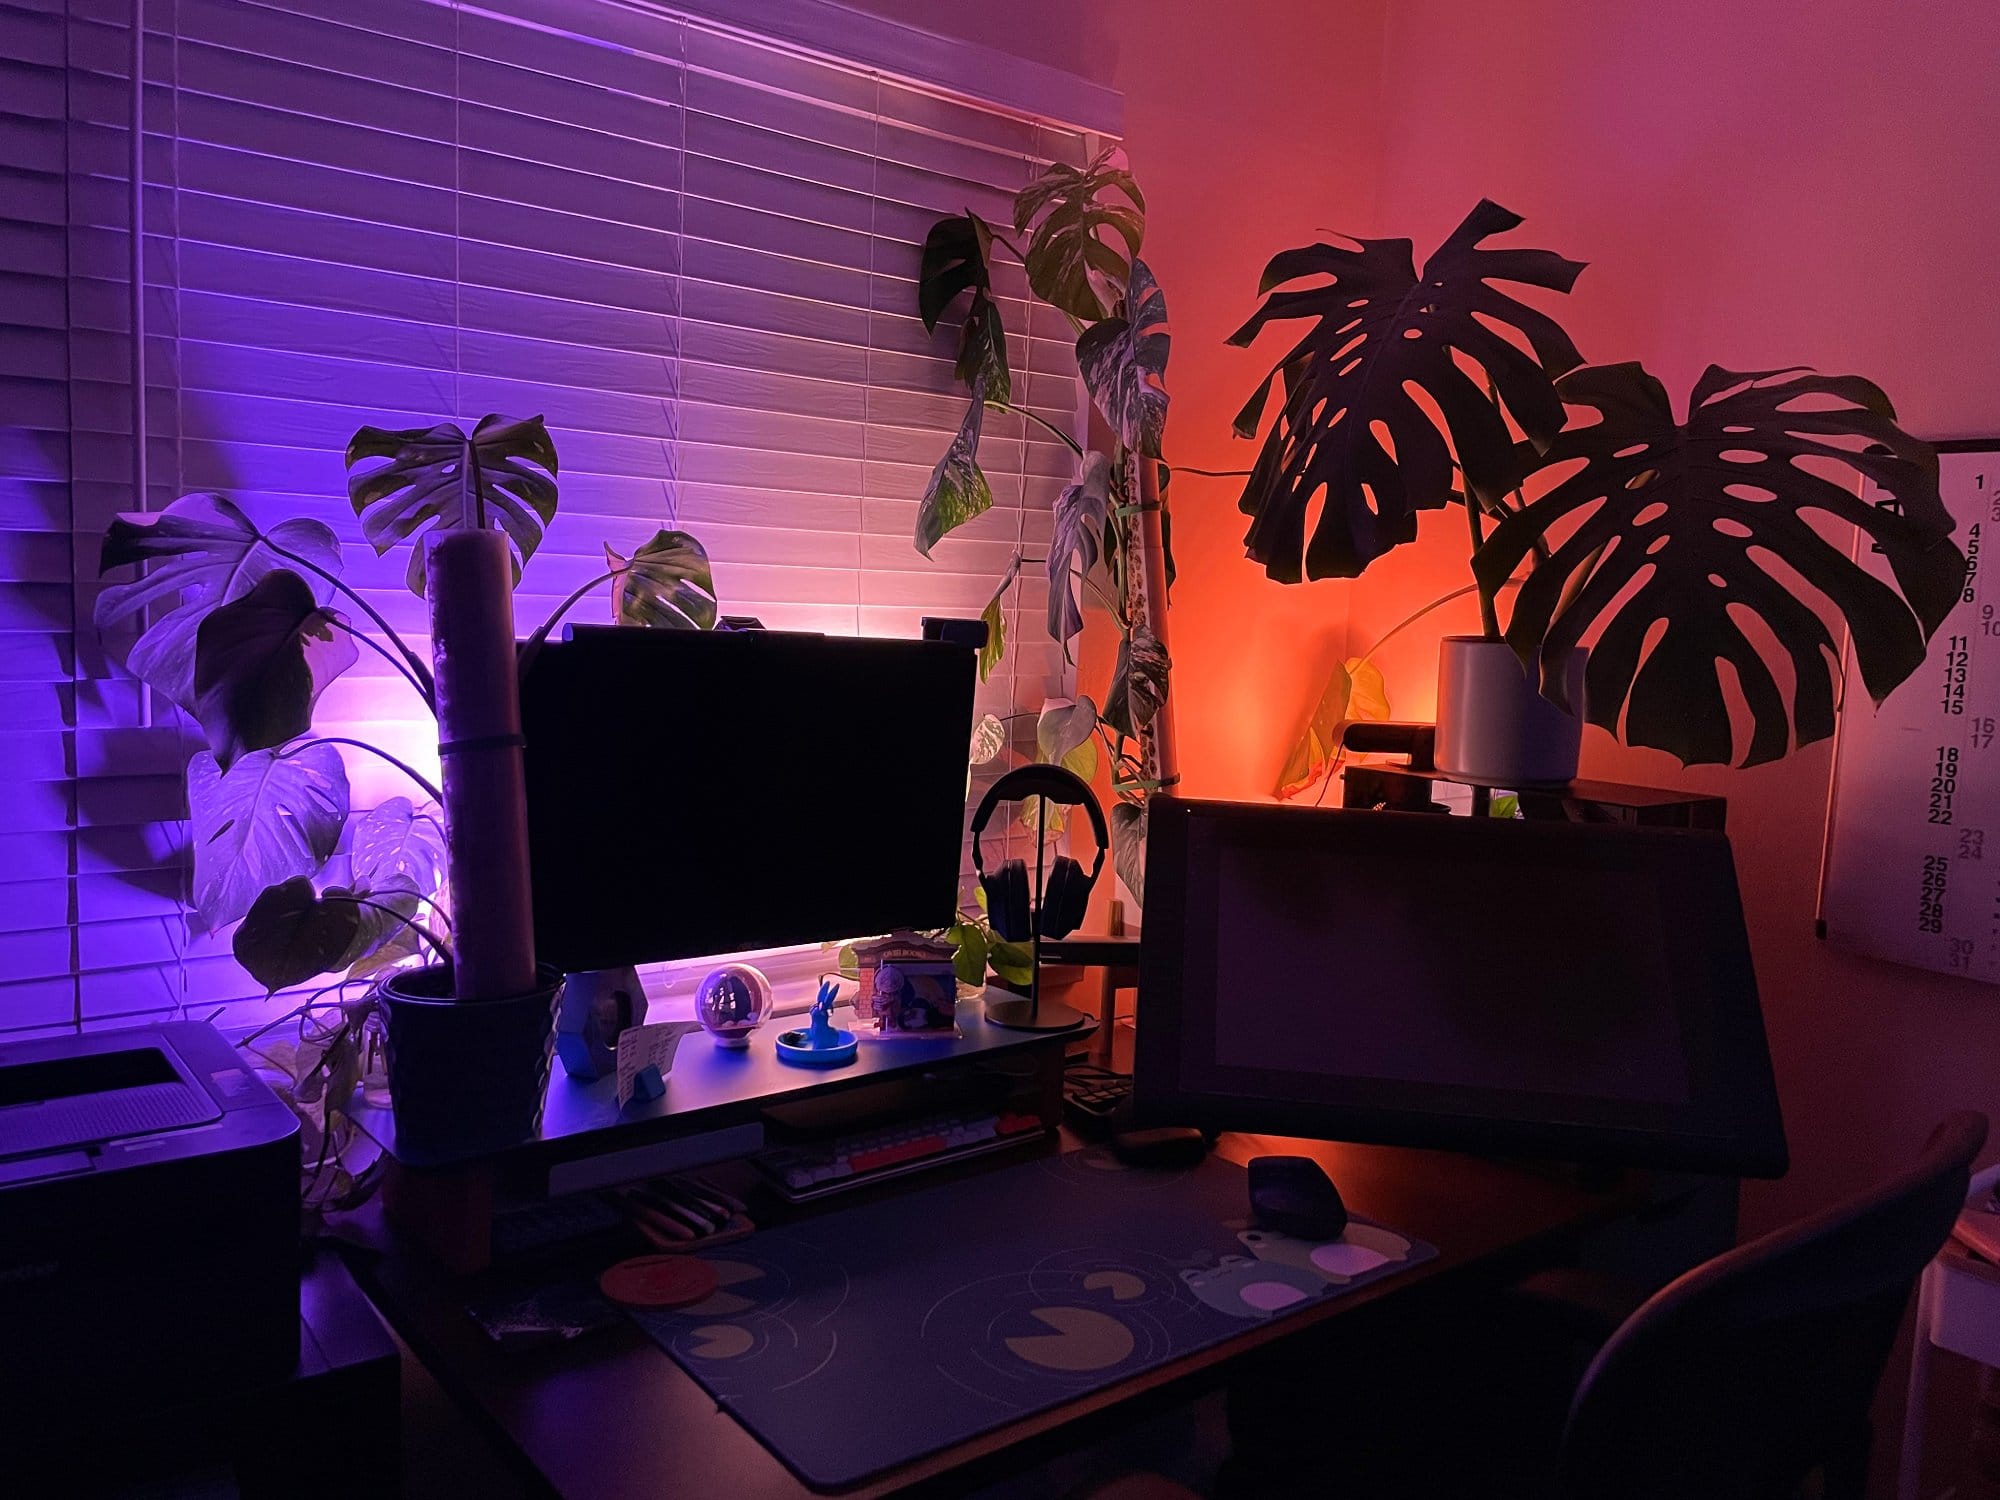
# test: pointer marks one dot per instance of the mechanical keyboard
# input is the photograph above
(1092, 1097)
(838, 1163)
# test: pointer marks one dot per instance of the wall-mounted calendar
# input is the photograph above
(1912, 869)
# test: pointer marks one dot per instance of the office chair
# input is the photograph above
(1740, 1380)
(1749, 1374)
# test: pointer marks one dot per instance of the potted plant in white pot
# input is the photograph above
(423, 903)
(1655, 551)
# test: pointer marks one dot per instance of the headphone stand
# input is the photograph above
(1029, 1014)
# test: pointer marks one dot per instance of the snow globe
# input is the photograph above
(731, 1002)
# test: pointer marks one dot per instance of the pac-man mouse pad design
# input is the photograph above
(869, 1337)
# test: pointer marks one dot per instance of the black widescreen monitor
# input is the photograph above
(1558, 990)
(702, 792)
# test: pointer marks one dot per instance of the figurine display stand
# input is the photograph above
(1028, 1013)
(821, 1044)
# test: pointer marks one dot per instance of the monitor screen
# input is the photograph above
(702, 792)
(1553, 989)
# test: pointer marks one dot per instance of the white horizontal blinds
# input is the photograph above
(37, 703)
(90, 837)
(694, 252)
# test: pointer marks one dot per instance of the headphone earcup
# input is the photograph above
(1007, 900)
(1065, 899)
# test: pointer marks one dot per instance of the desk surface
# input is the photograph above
(611, 1417)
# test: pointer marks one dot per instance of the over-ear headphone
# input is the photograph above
(1066, 891)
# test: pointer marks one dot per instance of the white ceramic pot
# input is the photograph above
(1494, 727)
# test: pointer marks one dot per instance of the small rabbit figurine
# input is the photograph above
(822, 1034)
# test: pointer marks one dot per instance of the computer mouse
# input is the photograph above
(1293, 1195)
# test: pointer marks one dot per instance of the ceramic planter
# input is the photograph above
(466, 1077)
(1494, 727)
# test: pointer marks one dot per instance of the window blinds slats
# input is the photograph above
(38, 817)
(694, 253)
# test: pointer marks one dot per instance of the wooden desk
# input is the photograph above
(611, 1417)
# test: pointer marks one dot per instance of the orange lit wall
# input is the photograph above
(1245, 142)
(1753, 184)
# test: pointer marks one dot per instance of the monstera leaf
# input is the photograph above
(1676, 526)
(1070, 263)
(395, 856)
(1128, 847)
(666, 584)
(269, 818)
(261, 662)
(1378, 330)
(958, 255)
(1124, 363)
(1355, 693)
(1082, 512)
(291, 933)
(397, 845)
(1138, 682)
(958, 490)
(437, 477)
(201, 552)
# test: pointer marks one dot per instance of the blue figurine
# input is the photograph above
(821, 1044)
(823, 1037)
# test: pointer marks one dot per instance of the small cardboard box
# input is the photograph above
(908, 986)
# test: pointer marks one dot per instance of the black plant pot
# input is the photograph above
(466, 1079)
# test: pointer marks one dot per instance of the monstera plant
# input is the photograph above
(243, 627)
(1651, 541)
(1083, 229)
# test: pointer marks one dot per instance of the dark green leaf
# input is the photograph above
(982, 353)
(958, 256)
(270, 818)
(1668, 525)
(1315, 748)
(1128, 846)
(1081, 760)
(382, 920)
(1354, 692)
(1070, 263)
(1379, 329)
(393, 951)
(995, 620)
(1011, 961)
(1123, 361)
(437, 477)
(668, 584)
(1139, 682)
(260, 663)
(202, 552)
(290, 935)
(1080, 515)
(968, 959)
(958, 490)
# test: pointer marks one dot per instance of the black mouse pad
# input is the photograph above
(863, 1339)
